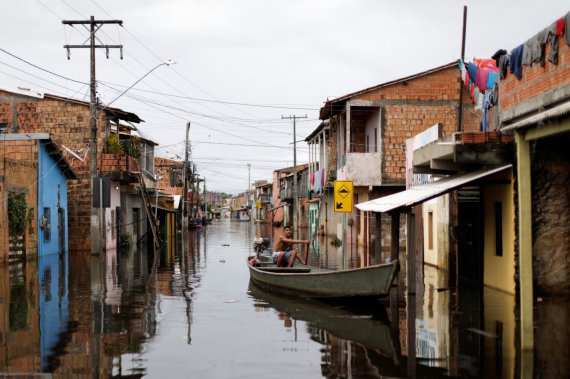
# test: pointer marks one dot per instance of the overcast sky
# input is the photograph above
(243, 64)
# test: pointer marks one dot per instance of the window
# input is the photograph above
(375, 140)
(498, 229)
(113, 224)
(45, 224)
(136, 224)
(430, 230)
(367, 147)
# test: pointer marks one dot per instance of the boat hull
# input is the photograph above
(361, 282)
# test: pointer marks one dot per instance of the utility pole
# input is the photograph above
(205, 200)
(248, 184)
(295, 189)
(459, 127)
(185, 180)
(94, 26)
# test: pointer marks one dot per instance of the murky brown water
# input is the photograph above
(195, 314)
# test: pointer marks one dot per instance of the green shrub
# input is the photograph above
(125, 243)
(112, 144)
(336, 242)
(17, 213)
(132, 147)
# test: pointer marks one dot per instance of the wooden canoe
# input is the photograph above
(320, 283)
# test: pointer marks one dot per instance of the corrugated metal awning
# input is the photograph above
(556, 112)
(425, 192)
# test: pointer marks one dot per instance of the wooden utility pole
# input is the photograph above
(94, 26)
(460, 110)
(295, 190)
(185, 180)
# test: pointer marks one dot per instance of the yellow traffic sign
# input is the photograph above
(343, 194)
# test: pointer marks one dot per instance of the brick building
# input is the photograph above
(362, 139)
(535, 106)
(67, 122)
(33, 190)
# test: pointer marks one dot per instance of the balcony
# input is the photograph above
(364, 169)
(462, 152)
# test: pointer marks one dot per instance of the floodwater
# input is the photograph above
(193, 313)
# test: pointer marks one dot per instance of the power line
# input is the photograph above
(109, 85)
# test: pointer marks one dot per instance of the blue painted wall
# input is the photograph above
(52, 267)
(54, 303)
(50, 178)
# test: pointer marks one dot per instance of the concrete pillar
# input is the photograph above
(525, 241)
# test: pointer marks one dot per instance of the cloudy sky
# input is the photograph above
(243, 64)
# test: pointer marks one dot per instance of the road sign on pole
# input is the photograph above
(343, 194)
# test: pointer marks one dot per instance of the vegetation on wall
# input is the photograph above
(112, 144)
(132, 147)
(336, 242)
(17, 213)
(18, 313)
(125, 243)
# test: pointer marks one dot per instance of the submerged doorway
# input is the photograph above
(470, 247)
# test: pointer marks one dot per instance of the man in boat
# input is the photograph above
(283, 253)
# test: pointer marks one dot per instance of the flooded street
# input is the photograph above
(196, 315)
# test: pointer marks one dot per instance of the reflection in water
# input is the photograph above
(345, 331)
(19, 331)
(189, 313)
(54, 304)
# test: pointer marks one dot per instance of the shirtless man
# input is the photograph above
(283, 252)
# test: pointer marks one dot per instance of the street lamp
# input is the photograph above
(167, 63)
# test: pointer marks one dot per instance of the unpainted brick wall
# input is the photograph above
(68, 124)
(414, 106)
(19, 170)
(536, 79)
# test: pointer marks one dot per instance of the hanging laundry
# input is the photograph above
(472, 71)
(481, 80)
(486, 106)
(498, 54)
(463, 70)
(486, 64)
(491, 79)
(504, 63)
(560, 24)
(516, 61)
(479, 102)
(556, 31)
(318, 181)
(553, 55)
(494, 95)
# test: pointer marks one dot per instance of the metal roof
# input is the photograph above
(425, 192)
(552, 113)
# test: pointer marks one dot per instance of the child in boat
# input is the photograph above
(283, 253)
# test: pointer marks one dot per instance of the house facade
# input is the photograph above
(263, 201)
(67, 121)
(362, 139)
(284, 192)
(34, 193)
(535, 107)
